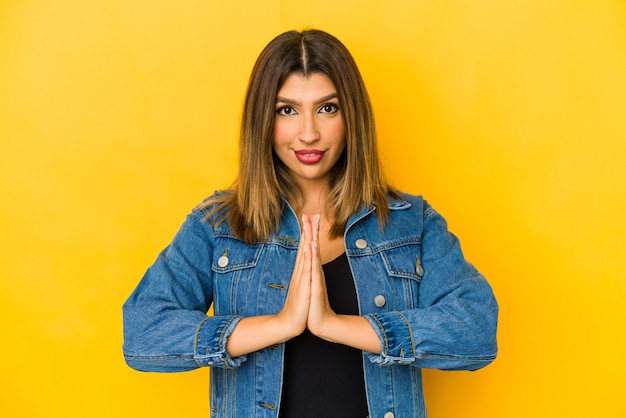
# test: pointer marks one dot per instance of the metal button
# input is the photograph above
(361, 243)
(418, 267)
(389, 415)
(380, 301)
(222, 261)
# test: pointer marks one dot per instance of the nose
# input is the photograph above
(309, 132)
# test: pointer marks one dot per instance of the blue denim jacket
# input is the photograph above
(428, 305)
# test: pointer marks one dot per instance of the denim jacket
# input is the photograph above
(428, 305)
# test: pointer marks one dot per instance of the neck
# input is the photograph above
(313, 199)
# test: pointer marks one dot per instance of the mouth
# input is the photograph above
(309, 156)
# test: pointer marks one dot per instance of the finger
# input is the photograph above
(315, 266)
(308, 238)
(319, 308)
(307, 229)
(298, 295)
(303, 233)
(302, 245)
(317, 273)
(316, 235)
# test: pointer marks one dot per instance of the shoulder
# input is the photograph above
(401, 201)
(406, 207)
(215, 204)
(207, 217)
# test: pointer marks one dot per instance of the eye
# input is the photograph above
(329, 108)
(285, 110)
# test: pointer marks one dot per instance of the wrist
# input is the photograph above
(286, 327)
(329, 329)
(351, 330)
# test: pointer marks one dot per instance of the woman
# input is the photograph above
(330, 289)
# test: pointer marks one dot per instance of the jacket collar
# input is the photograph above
(398, 204)
(392, 204)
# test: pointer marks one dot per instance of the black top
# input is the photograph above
(323, 379)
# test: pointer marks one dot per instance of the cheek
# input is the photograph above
(281, 133)
(337, 131)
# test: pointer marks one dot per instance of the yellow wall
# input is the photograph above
(116, 117)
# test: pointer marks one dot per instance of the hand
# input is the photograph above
(294, 314)
(253, 333)
(320, 313)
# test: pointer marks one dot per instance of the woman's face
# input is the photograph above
(309, 134)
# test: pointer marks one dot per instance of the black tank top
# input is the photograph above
(323, 379)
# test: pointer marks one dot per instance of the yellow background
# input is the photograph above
(117, 117)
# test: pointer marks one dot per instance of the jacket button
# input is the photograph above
(222, 261)
(389, 415)
(418, 267)
(361, 243)
(380, 301)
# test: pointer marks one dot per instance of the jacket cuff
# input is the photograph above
(395, 336)
(210, 345)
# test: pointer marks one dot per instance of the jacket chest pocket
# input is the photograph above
(233, 265)
(404, 268)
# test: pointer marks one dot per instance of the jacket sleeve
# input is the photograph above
(454, 326)
(166, 327)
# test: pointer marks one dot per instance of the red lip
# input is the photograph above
(309, 156)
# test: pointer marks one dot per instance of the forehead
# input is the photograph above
(313, 86)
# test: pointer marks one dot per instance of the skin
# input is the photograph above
(308, 118)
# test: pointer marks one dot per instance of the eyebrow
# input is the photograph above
(321, 100)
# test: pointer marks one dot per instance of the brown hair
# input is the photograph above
(253, 206)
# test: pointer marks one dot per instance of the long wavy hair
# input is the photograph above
(253, 205)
